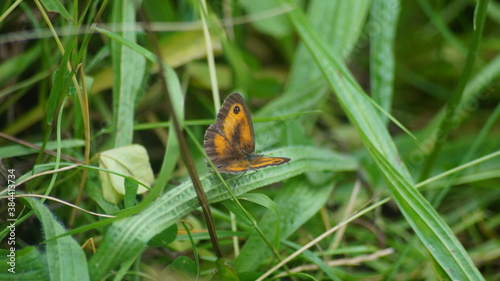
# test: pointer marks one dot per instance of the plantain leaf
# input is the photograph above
(126, 238)
(64, 257)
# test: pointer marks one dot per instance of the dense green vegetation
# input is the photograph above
(388, 109)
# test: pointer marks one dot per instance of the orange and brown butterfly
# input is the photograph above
(230, 141)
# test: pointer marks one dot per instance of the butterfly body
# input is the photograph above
(230, 141)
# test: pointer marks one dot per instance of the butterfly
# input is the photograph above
(230, 141)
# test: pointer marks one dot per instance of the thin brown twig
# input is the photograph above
(185, 153)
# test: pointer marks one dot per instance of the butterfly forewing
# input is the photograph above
(231, 137)
(236, 123)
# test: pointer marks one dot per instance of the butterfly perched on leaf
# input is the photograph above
(230, 142)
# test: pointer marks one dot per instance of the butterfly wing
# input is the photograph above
(231, 138)
(253, 162)
(260, 162)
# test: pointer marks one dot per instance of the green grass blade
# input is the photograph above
(14, 66)
(62, 79)
(340, 24)
(56, 6)
(384, 15)
(448, 123)
(129, 68)
(21, 150)
(29, 264)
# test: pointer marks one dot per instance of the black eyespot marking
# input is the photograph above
(236, 109)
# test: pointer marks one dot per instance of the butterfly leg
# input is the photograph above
(234, 186)
(253, 172)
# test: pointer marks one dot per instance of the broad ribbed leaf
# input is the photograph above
(64, 257)
(127, 237)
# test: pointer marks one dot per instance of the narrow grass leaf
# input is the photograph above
(131, 191)
(129, 67)
(172, 151)
(59, 88)
(56, 6)
(17, 150)
(261, 199)
(14, 66)
(383, 20)
(28, 264)
(340, 23)
(237, 211)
